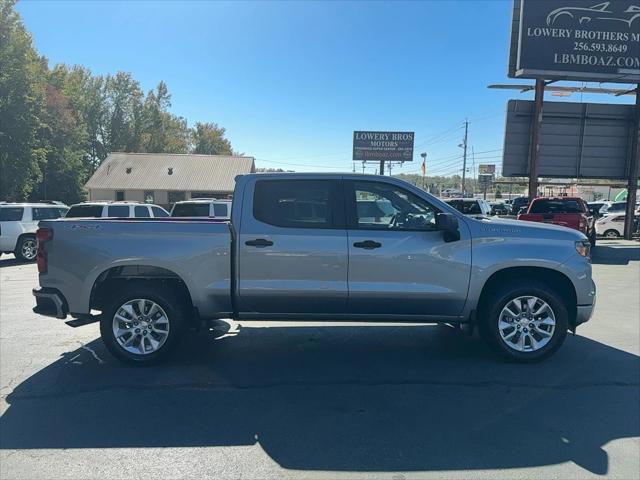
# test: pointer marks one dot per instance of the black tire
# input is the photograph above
(493, 304)
(176, 314)
(611, 234)
(26, 248)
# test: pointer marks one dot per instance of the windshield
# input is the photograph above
(86, 211)
(468, 208)
(190, 210)
(557, 206)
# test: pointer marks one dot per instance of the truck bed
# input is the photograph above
(197, 250)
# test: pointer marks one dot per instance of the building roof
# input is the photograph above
(169, 171)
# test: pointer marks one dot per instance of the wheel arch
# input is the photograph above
(115, 278)
(554, 278)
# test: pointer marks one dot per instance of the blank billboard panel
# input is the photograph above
(577, 140)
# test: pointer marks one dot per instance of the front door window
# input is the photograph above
(382, 206)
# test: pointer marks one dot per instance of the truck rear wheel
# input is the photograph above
(524, 322)
(142, 324)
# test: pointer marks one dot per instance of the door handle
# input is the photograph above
(259, 242)
(367, 245)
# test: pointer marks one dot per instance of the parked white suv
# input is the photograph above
(203, 207)
(115, 210)
(18, 225)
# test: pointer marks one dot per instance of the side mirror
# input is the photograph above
(448, 223)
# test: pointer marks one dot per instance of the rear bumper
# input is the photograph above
(50, 302)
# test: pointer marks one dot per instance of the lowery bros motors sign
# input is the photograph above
(577, 40)
(387, 146)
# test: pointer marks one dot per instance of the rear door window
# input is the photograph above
(190, 210)
(44, 213)
(294, 204)
(119, 211)
(11, 214)
(220, 210)
(141, 212)
(85, 211)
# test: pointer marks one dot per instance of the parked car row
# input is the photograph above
(19, 221)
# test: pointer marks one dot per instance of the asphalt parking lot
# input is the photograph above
(298, 401)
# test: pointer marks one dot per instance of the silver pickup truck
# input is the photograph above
(317, 247)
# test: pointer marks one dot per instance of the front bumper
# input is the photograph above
(50, 302)
(584, 312)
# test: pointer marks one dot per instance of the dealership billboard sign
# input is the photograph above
(487, 169)
(576, 40)
(385, 146)
(577, 140)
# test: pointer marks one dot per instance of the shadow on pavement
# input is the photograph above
(10, 261)
(340, 398)
(614, 255)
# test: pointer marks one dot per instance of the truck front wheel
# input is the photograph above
(524, 322)
(142, 324)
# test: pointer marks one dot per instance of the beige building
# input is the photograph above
(166, 178)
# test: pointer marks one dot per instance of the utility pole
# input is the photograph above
(473, 169)
(634, 171)
(535, 136)
(464, 156)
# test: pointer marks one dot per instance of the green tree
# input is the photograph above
(22, 86)
(123, 104)
(163, 132)
(209, 139)
(57, 125)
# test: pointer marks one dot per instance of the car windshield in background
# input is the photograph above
(556, 206)
(190, 210)
(468, 208)
(85, 211)
(11, 214)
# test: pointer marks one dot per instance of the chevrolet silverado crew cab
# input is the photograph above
(298, 247)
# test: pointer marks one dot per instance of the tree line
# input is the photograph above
(58, 124)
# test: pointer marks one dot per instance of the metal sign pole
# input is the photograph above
(535, 135)
(632, 185)
(381, 167)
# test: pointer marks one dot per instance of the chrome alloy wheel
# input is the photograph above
(526, 323)
(141, 326)
(29, 249)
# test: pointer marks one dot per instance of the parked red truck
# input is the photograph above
(571, 212)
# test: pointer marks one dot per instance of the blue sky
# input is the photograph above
(291, 81)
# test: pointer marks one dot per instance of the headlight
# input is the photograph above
(583, 247)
